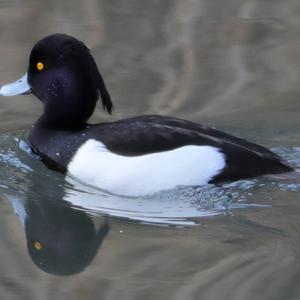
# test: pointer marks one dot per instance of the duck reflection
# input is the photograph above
(61, 240)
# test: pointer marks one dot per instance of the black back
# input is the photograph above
(150, 134)
(69, 86)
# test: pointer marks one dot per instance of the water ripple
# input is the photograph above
(182, 206)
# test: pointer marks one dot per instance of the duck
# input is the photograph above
(135, 156)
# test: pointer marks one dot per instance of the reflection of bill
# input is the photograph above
(180, 206)
(60, 240)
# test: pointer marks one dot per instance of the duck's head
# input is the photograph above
(64, 76)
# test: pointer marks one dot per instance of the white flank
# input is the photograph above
(94, 164)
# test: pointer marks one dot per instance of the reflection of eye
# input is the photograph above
(40, 66)
(38, 246)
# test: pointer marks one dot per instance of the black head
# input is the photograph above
(64, 76)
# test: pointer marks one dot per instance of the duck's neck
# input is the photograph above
(68, 112)
(70, 124)
(68, 99)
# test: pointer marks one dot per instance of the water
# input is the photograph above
(178, 207)
(234, 65)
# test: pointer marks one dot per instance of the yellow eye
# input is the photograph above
(40, 66)
(38, 246)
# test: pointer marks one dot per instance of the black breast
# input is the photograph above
(150, 134)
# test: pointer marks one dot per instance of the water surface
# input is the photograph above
(234, 65)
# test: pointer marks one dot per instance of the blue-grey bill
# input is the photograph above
(18, 87)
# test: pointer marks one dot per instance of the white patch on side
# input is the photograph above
(146, 174)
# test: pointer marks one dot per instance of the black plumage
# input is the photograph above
(69, 87)
(150, 134)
